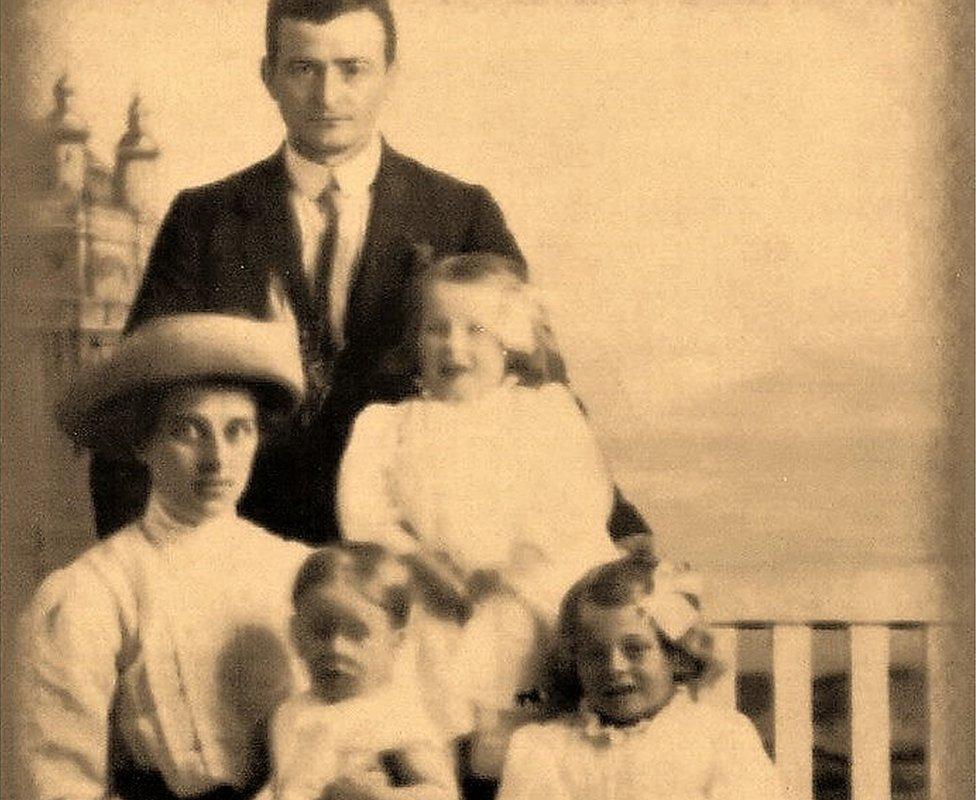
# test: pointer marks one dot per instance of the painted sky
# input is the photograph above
(733, 207)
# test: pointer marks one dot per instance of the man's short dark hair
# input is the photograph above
(320, 11)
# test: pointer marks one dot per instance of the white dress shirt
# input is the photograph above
(353, 180)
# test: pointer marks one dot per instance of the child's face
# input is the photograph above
(461, 359)
(623, 670)
(347, 641)
(201, 453)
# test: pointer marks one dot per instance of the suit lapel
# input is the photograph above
(271, 243)
(384, 266)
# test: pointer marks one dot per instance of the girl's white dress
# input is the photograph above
(688, 751)
(513, 482)
(168, 638)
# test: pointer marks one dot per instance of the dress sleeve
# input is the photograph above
(367, 507)
(743, 768)
(530, 769)
(70, 640)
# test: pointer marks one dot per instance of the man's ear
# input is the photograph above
(297, 634)
(267, 75)
(392, 77)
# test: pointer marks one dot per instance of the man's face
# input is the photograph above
(329, 80)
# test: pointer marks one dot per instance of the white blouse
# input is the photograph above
(514, 482)
(185, 628)
(688, 751)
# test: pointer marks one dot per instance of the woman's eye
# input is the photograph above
(186, 430)
(636, 650)
(476, 330)
(239, 428)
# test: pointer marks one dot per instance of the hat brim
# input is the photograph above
(186, 348)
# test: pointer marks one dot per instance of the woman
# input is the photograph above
(151, 664)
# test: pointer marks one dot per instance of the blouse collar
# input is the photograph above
(163, 527)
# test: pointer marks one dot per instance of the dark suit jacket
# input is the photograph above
(217, 250)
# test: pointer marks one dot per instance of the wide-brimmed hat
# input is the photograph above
(183, 348)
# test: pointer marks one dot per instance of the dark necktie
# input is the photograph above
(317, 350)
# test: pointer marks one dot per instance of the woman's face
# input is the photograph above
(461, 359)
(624, 672)
(201, 453)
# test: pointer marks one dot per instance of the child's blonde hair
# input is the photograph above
(668, 595)
(370, 569)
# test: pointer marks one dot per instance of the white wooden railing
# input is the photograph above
(868, 603)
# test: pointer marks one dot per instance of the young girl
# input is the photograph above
(490, 484)
(358, 731)
(150, 665)
(632, 650)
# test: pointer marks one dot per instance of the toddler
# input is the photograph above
(491, 486)
(358, 732)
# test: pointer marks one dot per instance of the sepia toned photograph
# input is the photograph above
(458, 400)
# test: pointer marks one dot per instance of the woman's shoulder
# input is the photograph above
(95, 585)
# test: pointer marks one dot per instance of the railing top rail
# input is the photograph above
(899, 596)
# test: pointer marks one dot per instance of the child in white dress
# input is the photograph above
(358, 732)
(493, 488)
(632, 652)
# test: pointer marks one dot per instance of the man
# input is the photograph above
(326, 229)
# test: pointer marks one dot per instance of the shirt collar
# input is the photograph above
(353, 176)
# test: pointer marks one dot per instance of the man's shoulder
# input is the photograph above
(409, 170)
(256, 177)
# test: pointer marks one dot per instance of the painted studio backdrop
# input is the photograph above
(734, 209)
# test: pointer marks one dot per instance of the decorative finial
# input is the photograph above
(68, 126)
(63, 91)
(135, 142)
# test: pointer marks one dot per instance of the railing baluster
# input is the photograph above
(792, 692)
(870, 713)
(722, 692)
(937, 683)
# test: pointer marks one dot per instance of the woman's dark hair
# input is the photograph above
(369, 568)
(618, 584)
(321, 11)
(125, 424)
